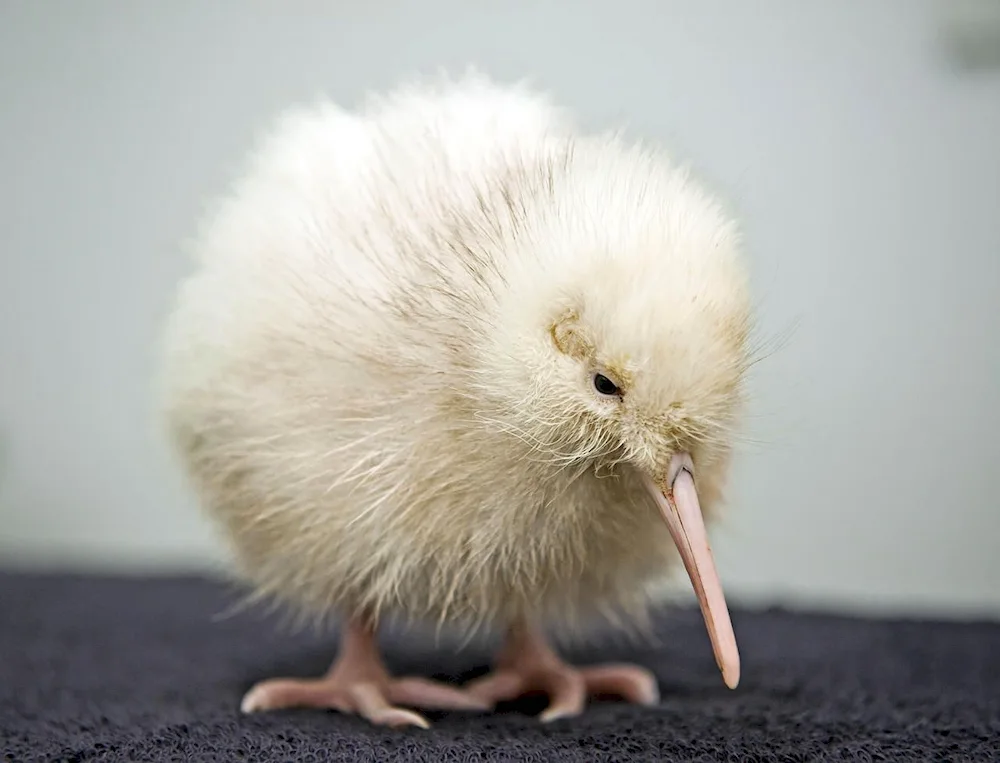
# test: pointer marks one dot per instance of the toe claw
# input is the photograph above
(556, 714)
(569, 695)
(371, 703)
(396, 717)
(252, 701)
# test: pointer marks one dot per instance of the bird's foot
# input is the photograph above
(527, 664)
(359, 683)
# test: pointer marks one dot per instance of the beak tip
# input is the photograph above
(731, 675)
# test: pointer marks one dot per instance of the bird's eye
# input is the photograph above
(605, 386)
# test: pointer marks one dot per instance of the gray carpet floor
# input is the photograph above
(95, 669)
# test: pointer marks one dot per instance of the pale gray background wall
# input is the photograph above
(863, 154)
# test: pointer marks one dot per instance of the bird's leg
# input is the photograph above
(526, 663)
(358, 682)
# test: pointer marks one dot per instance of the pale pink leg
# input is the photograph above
(526, 663)
(358, 682)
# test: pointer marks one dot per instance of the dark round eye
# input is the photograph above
(605, 386)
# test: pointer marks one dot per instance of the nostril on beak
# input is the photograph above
(680, 462)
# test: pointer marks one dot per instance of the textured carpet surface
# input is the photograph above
(147, 670)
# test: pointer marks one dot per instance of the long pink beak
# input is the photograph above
(678, 502)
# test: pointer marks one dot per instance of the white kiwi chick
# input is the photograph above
(451, 359)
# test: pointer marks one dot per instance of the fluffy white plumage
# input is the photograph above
(380, 375)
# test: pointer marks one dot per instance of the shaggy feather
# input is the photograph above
(379, 376)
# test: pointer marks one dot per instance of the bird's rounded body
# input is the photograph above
(360, 375)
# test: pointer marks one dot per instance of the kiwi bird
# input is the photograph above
(449, 357)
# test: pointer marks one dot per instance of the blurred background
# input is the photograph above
(859, 141)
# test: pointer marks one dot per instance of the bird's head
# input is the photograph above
(623, 340)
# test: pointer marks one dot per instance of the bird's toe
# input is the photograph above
(281, 693)
(432, 695)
